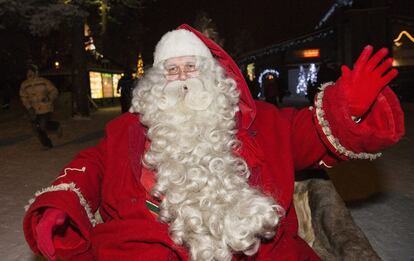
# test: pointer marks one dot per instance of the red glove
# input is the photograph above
(366, 80)
(52, 218)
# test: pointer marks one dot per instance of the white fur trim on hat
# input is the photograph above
(179, 43)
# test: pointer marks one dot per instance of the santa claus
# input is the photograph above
(198, 170)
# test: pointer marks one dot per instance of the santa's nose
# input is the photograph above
(182, 75)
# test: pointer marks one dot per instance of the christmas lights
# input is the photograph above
(302, 86)
(312, 75)
(140, 66)
(260, 80)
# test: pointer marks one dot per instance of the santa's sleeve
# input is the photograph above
(331, 135)
(76, 191)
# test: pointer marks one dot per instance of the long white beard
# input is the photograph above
(208, 203)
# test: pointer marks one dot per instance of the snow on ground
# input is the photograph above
(25, 168)
(379, 194)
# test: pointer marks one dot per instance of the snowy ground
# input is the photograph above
(380, 194)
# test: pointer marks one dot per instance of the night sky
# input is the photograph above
(265, 22)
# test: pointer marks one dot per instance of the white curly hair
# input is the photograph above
(208, 203)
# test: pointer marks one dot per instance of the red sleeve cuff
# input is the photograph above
(75, 240)
(382, 126)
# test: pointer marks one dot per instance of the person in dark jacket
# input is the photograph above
(125, 87)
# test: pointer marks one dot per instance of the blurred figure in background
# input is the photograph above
(125, 86)
(271, 90)
(37, 95)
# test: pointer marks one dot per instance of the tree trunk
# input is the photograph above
(80, 86)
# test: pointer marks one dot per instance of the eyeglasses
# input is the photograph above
(176, 69)
(181, 71)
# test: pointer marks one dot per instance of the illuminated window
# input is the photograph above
(103, 85)
(96, 85)
(115, 80)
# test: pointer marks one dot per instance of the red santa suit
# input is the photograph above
(275, 143)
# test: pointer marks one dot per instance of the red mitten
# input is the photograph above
(368, 77)
(52, 218)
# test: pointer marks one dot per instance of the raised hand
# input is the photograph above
(52, 218)
(368, 77)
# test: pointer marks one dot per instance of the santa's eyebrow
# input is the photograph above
(169, 66)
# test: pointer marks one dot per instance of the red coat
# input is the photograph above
(107, 176)
(275, 143)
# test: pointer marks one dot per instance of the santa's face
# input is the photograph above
(181, 68)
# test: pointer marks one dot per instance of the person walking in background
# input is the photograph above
(37, 95)
(125, 86)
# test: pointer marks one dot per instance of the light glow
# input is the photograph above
(311, 53)
(140, 66)
(312, 76)
(302, 86)
(273, 72)
(395, 63)
(397, 41)
(250, 71)
(103, 85)
(96, 85)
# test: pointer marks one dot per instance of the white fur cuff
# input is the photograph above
(320, 114)
(67, 187)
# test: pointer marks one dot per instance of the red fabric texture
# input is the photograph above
(275, 143)
(75, 240)
(147, 176)
(284, 149)
(135, 239)
(380, 128)
(51, 220)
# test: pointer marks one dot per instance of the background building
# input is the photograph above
(309, 59)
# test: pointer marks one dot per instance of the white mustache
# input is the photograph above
(192, 91)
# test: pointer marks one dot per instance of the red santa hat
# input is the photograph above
(178, 43)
